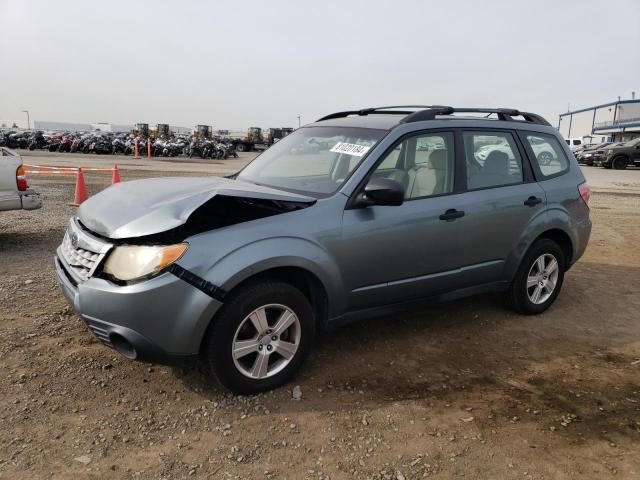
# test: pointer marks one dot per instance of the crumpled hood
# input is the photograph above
(144, 207)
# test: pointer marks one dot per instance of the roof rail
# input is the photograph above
(430, 112)
(380, 110)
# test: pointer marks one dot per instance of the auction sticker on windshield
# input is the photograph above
(350, 149)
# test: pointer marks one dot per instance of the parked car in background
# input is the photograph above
(542, 150)
(15, 193)
(620, 156)
(600, 153)
(391, 207)
(574, 143)
(586, 155)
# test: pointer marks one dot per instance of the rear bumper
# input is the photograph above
(161, 320)
(30, 200)
(583, 233)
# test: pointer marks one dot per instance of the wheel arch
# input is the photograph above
(563, 240)
(302, 278)
(305, 280)
(546, 230)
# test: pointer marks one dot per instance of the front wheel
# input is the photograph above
(260, 337)
(539, 278)
(619, 163)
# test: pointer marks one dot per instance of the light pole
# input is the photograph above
(28, 121)
(298, 121)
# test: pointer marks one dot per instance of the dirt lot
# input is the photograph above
(459, 389)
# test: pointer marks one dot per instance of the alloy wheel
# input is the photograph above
(266, 341)
(542, 278)
(545, 158)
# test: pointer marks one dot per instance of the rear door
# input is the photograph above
(9, 162)
(501, 198)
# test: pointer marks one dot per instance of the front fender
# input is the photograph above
(261, 255)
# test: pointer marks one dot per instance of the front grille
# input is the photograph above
(80, 252)
(82, 262)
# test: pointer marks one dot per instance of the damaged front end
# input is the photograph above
(143, 208)
(147, 222)
(112, 262)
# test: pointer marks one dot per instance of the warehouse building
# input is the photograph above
(80, 127)
(615, 122)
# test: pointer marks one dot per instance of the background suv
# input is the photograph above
(620, 156)
(359, 214)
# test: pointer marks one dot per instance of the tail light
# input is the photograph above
(585, 192)
(21, 179)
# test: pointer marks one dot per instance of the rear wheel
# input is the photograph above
(545, 158)
(240, 147)
(260, 337)
(539, 278)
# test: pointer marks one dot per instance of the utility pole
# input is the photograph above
(28, 121)
(298, 121)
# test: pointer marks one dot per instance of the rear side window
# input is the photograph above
(492, 159)
(548, 152)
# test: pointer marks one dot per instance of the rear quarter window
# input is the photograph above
(548, 153)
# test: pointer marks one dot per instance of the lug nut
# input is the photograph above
(274, 338)
(269, 347)
(259, 347)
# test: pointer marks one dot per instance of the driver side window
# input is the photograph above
(423, 165)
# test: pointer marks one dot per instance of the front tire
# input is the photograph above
(539, 278)
(260, 337)
(619, 163)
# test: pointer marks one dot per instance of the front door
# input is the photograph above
(391, 254)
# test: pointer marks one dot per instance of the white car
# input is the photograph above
(574, 143)
(542, 150)
(15, 193)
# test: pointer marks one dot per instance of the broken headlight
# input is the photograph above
(130, 262)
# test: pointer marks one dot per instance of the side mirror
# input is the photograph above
(383, 191)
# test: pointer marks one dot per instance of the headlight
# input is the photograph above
(130, 262)
(588, 154)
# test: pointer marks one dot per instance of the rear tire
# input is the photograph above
(238, 321)
(537, 284)
(545, 158)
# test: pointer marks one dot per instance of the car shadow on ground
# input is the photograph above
(477, 351)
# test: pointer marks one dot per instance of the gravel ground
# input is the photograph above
(466, 388)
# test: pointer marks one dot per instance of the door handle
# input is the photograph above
(532, 201)
(451, 214)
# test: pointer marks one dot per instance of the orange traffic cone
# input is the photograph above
(149, 147)
(81, 189)
(115, 178)
(135, 149)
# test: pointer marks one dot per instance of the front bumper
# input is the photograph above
(161, 320)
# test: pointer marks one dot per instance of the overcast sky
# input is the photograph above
(240, 63)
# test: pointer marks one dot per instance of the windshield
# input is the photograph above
(314, 160)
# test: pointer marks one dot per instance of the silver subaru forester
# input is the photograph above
(359, 214)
